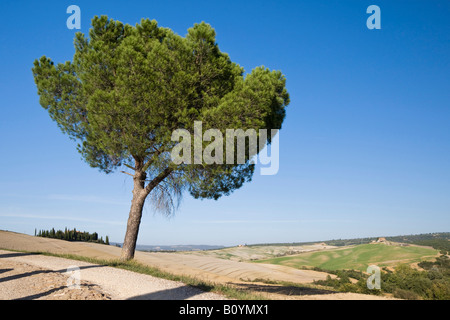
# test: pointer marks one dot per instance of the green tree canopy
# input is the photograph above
(128, 88)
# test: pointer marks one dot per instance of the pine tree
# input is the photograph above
(127, 120)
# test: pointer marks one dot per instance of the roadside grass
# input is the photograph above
(228, 290)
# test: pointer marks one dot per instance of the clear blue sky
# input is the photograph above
(365, 147)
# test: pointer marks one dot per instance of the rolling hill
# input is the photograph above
(357, 257)
(259, 252)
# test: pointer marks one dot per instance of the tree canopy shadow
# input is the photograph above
(18, 254)
(81, 268)
(31, 273)
(5, 270)
(48, 292)
(287, 290)
(41, 294)
(23, 275)
(179, 293)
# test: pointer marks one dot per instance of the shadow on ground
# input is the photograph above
(29, 274)
(18, 254)
(179, 293)
(286, 290)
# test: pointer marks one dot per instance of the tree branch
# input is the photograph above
(128, 166)
(151, 160)
(157, 180)
(127, 173)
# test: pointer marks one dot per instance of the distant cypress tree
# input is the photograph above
(70, 235)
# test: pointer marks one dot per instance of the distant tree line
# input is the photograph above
(349, 242)
(439, 241)
(420, 237)
(71, 235)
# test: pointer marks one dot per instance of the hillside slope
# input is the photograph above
(357, 257)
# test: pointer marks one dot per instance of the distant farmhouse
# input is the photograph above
(380, 240)
(389, 243)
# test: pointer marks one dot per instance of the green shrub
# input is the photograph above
(440, 290)
(405, 294)
(405, 282)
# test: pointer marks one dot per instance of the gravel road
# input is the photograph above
(30, 276)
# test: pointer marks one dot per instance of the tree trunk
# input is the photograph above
(140, 193)
(131, 235)
(134, 218)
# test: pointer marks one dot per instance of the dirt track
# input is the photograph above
(27, 276)
(207, 268)
(23, 281)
